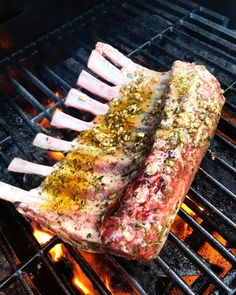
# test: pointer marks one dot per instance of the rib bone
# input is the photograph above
(62, 120)
(116, 57)
(120, 60)
(14, 194)
(51, 143)
(22, 166)
(97, 87)
(100, 66)
(81, 101)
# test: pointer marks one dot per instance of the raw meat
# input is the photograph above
(124, 178)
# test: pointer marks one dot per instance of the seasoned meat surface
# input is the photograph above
(141, 219)
(124, 178)
(87, 182)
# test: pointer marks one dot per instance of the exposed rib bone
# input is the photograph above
(22, 166)
(97, 87)
(81, 101)
(116, 57)
(121, 60)
(102, 67)
(51, 143)
(62, 120)
(14, 194)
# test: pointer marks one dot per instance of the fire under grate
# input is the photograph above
(200, 254)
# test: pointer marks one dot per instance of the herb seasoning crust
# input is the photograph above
(141, 220)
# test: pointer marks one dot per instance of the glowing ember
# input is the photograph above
(55, 155)
(45, 122)
(206, 251)
(190, 279)
(78, 284)
(188, 210)
(215, 258)
(180, 228)
(107, 283)
(6, 40)
(57, 94)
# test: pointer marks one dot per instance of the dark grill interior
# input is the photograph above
(33, 82)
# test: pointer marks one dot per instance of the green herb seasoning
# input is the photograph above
(114, 134)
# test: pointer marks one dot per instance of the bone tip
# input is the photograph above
(99, 44)
(94, 54)
(100, 47)
(15, 162)
(38, 138)
(81, 77)
(56, 117)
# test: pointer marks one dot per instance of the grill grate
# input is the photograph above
(154, 33)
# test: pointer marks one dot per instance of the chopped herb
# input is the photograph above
(147, 244)
(209, 138)
(138, 247)
(141, 225)
(100, 177)
(83, 203)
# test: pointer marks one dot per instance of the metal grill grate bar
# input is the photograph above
(89, 271)
(214, 242)
(201, 57)
(172, 274)
(218, 184)
(196, 195)
(29, 97)
(54, 76)
(48, 92)
(195, 259)
(221, 161)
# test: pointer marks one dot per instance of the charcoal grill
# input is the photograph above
(33, 83)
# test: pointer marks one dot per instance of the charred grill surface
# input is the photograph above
(153, 35)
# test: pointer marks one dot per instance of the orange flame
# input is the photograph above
(43, 237)
(45, 122)
(57, 253)
(81, 281)
(57, 94)
(104, 270)
(56, 155)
